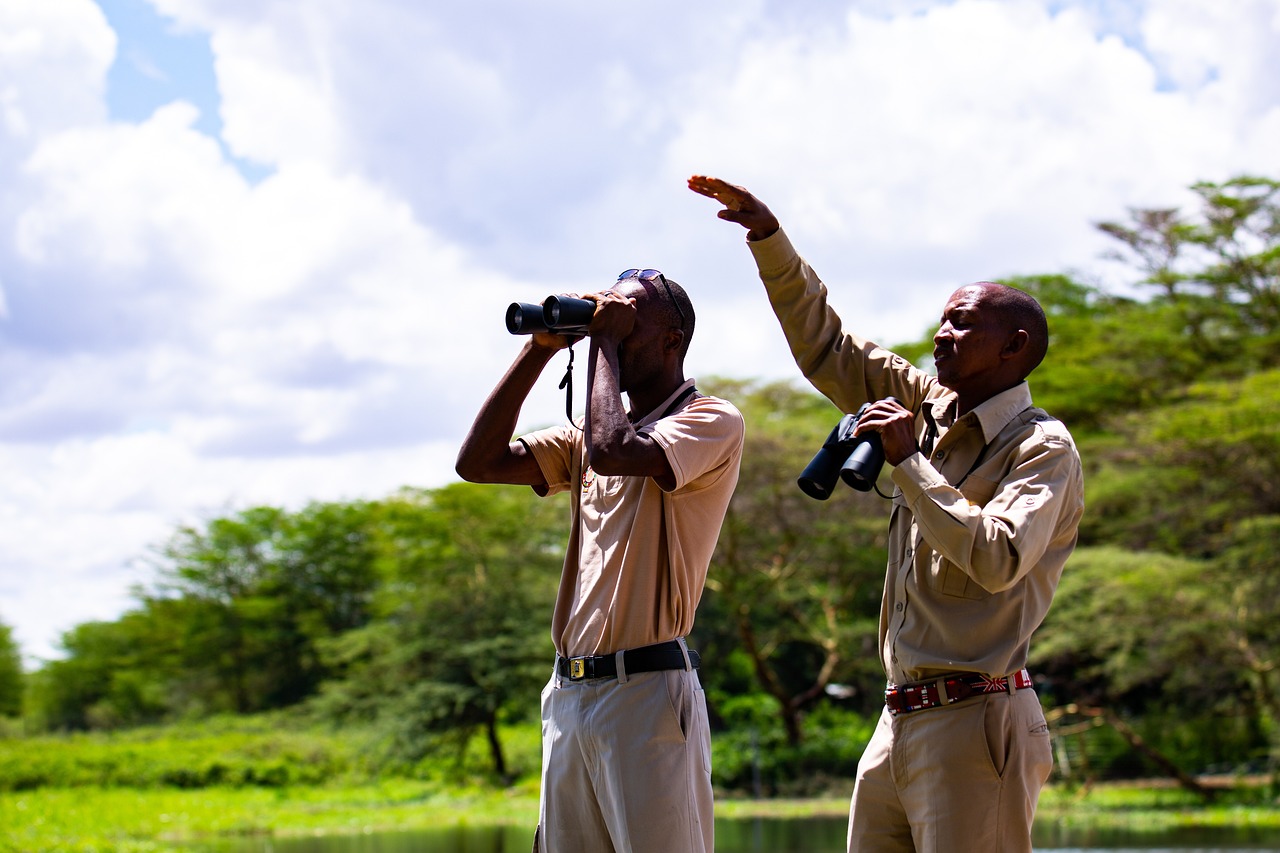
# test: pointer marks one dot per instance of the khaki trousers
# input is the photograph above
(626, 765)
(962, 777)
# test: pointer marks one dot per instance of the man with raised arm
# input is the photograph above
(626, 745)
(987, 501)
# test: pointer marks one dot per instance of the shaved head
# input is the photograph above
(1018, 310)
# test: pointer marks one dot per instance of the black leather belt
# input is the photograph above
(644, 659)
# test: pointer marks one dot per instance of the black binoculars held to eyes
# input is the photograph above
(856, 459)
(562, 315)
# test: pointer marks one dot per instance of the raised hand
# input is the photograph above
(740, 206)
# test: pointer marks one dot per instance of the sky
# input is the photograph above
(259, 251)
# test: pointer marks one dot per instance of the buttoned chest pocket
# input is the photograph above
(945, 576)
(949, 579)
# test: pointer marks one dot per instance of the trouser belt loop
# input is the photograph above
(943, 699)
(619, 659)
(684, 650)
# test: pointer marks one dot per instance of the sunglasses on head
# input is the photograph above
(652, 275)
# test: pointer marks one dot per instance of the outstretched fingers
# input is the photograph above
(732, 197)
(740, 206)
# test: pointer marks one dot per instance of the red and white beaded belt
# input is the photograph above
(949, 689)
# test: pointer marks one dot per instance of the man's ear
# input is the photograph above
(674, 340)
(1016, 344)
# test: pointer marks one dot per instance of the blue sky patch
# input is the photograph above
(158, 63)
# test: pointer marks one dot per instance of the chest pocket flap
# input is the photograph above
(945, 576)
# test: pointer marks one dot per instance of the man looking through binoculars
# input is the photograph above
(626, 744)
(987, 503)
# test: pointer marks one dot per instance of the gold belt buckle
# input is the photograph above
(577, 667)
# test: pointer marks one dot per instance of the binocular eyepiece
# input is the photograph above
(855, 459)
(562, 315)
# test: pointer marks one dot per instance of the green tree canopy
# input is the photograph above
(465, 609)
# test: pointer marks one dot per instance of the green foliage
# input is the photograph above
(1187, 647)
(1224, 743)
(266, 587)
(1178, 477)
(1122, 626)
(11, 675)
(108, 678)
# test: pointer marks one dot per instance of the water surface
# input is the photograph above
(753, 835)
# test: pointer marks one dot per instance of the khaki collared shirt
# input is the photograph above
(983, 518)
(637, 558)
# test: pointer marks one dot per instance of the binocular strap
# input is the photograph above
(567, 383)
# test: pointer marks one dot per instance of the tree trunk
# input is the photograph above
(790, 715)
(495, 747)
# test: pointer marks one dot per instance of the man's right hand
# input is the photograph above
(740, 206)
(615, 317)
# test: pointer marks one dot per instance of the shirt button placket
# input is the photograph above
(900, 604)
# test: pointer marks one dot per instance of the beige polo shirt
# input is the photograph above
(983, 519)
(637, 557)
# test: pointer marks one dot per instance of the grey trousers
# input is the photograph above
(626, 765)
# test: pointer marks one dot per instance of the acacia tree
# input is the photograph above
(1187, 648)
(1178, 477)
(1222, 268)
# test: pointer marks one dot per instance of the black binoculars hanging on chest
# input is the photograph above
(856, 459)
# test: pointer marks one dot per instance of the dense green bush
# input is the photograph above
(262, 753)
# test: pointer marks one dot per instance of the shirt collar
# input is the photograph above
(992, 414)
(658, 410)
